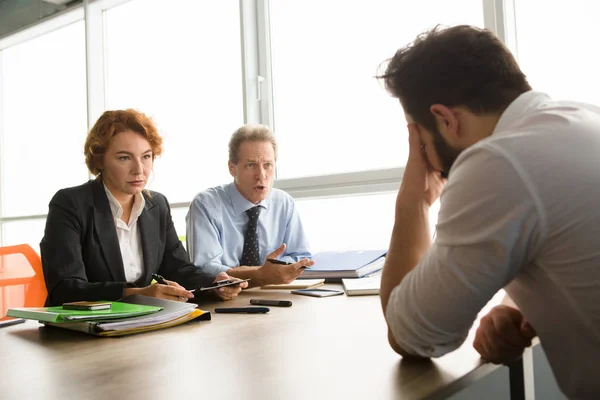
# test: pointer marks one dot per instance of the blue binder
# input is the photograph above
(345, 264)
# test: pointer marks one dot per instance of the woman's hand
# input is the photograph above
(228, 292)
(172, 291)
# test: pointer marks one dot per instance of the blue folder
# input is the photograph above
(345, 264)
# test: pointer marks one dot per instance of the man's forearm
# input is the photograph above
(244, 272)
(410, 240)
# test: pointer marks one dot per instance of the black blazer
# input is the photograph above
(81, 257)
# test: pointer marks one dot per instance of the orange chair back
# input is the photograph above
(21, 278)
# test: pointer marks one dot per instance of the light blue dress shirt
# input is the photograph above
(216, 225)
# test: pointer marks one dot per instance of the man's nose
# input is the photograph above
(262, 172)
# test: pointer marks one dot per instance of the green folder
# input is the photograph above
(58, 314)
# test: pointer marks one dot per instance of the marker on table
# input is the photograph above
(269, 302)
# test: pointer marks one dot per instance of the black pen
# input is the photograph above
(280, 262)
(158, 278)
(242, 310)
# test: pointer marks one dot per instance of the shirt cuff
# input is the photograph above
(214, 269)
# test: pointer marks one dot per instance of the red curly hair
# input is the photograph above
(112, 123)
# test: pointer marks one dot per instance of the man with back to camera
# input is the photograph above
(519, 211)
(238, 226)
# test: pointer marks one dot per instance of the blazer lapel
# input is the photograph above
(149, 225)
(106, 232)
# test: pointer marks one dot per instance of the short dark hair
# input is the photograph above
(457, 66)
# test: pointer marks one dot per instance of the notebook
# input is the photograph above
(362, 286)
(172, 313)
(297, 284)
(345, 264)
(58, 314)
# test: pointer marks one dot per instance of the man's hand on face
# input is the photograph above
(420, 182)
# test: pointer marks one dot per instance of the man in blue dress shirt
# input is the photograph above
(236, 227)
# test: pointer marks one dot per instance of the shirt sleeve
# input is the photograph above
(490, 226)
(175, 264)
(297, 246)
(202, 238)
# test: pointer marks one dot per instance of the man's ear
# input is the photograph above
(447, 122)
(231, 168)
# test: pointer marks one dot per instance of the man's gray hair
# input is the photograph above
(250, 133)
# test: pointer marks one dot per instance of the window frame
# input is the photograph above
(258, 107)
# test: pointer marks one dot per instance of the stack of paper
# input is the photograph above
(158, 314)
(60, 315)
(362, 286)
(172, 313)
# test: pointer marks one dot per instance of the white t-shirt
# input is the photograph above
(520, 211)
(130, 239)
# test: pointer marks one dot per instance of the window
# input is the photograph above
(180, 64)
(331, 115)
(556, 51)
(178, 214)
(44, 119)
(352, 223)
(28, 231)
(44, 124)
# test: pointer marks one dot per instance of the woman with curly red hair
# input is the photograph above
(104, 239)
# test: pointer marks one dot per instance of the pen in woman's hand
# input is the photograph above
(158, 278)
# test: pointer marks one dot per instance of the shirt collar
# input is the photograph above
(115, 207)
(519, 108)
(240, 203)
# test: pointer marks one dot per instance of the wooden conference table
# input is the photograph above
(320, 348)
